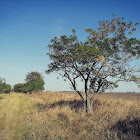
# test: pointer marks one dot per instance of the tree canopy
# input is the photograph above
(34, 83)
(101, 61)
(4, 88)
(18, 87)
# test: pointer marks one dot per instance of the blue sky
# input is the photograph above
(27, 26)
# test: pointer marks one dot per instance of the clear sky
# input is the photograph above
(27, 26)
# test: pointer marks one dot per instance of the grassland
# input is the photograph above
(58, 116)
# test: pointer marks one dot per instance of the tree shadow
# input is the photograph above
(41, 107)
(127, 129)
(73, 105)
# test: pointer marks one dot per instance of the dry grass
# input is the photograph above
(55, 116)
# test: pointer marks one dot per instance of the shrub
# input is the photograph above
(5, 88)
(18, 87)
(34, 82)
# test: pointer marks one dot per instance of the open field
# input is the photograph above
(58, 116)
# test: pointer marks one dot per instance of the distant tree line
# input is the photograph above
(34, 82)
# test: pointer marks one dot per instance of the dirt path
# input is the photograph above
(10, 110)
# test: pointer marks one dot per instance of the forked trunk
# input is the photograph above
(87, 102)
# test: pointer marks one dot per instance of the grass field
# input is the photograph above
(58, 116)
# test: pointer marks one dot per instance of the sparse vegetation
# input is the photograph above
(50, 115)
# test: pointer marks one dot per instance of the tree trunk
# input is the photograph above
(83, 102)
(89, 104)
(81, 96)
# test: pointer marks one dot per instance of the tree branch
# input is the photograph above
(75, 67)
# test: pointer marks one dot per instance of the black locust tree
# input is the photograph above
(100, 62)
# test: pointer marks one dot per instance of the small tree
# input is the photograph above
(34, 82)
(4, 88)
(2, 80)
(18, 87)
(100, 62)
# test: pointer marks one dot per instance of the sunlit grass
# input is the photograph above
(51, 115)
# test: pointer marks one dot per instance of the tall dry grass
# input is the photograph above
(55, 116)
(58, 116)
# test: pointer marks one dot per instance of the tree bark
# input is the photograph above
(89, 104)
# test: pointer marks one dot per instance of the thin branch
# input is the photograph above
(73, 84)
(75, 67)
(90, 70)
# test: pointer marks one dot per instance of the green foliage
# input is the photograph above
(7, 88)
(34, 83)
(105, 53)
(33, 75)
(4, 88)
(2, 80)
(26, 88)
(18, 87)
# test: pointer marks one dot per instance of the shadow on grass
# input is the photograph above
(127, 129)
(0, 97)
(75, 105)
(41, 107)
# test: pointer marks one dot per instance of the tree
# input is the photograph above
(100, 62)
(4, 88)
(34, 82)
(18, 87)
(2, 80)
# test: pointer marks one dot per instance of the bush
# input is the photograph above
(24, 88)
(34, 82)
(18, 87)
(5, 88)
(36, 85)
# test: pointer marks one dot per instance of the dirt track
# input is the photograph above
(10, 111)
